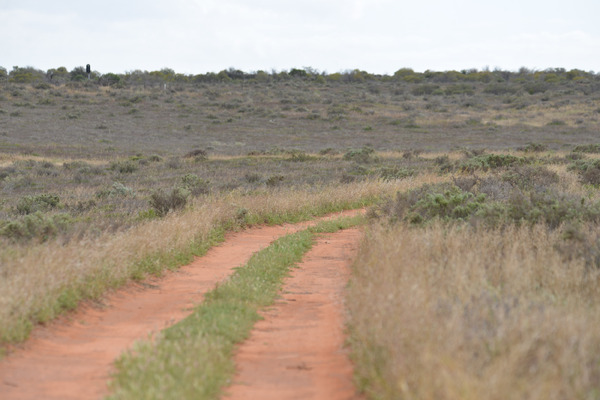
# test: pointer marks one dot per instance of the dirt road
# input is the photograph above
(72, 357)
(297, 351)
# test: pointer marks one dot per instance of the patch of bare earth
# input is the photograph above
(71, 358)
(297, 351)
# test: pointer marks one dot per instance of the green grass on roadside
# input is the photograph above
(193, 358)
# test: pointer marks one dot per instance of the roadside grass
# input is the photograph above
(40, 281)
(482, 287)
(193, 358)
(453, 313)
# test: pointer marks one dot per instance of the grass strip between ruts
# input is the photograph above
(193, 358)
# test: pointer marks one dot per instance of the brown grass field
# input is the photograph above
(478, 275)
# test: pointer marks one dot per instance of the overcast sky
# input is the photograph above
(379, 36)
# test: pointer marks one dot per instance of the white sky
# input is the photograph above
(379, 36)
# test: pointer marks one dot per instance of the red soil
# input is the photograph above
(71, 358)
(297, 351)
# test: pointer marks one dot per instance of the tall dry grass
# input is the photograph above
(455, 313)
(40, 281)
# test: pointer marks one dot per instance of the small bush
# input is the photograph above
(117, 190)
(174, 163)
(410, 154)
(300, 156)
(275, 180)
(530, 177)
(41, 202)
(36, 226)
(588, 171)
(534, 148)
(328, 152)
(163, 202)
(197, 154)
(252, 177)
(587, 148)
(194, 184)
(155, 158)
(394, 173)
(364, 155)
(490, 161)
(425, 89)
(124, 167)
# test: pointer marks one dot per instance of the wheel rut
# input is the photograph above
(297, 351)
(72, 357)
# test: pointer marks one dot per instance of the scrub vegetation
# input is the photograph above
(483, 286)
(478, 273)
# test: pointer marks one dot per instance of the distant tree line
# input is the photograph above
(495, 80)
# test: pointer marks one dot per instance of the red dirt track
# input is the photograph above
(72, 357)
(297, 350)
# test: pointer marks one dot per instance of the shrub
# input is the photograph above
(41, 202)
(500, 89)
(450, 202)
(275, 180)
(300, 156)
(459, 89)
(588, 171)
(252, 177)
(424, 89)
(328, 151)
(174, 163)
(534, 148)
(124, 167)
(587, 148)
(530, 177)
(155, 158)
(197, 154)
(194, 184)
(364, 155)
(36, 226)
(410, 154)
(393, 173)
(486, 162)
(163, 202)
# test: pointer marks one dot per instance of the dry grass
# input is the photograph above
(39, 281)
(452, 313)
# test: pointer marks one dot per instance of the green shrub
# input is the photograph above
(197, 154)
(500, 89)
(252, 177)
(363, 155)
(587, 148)
(450, 203)
(486, 162)
(41, 202)
(275, 180)
(588, 171)
(459, 89)
(117, 190)
(474, 201)
(194, 184)
(163, 202)
(124, 167)
(36, 226)
(534, 148)
(393, 173)
(425, 89)
(530, 177)
(300, 156)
